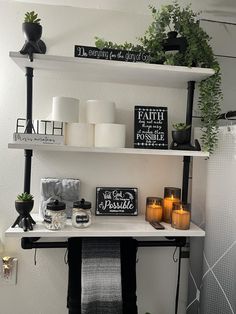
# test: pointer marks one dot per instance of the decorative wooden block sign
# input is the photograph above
(150, 127)
(39, 132)
(111, 54)
(115, 201)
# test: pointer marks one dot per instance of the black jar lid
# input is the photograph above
(82, 204)
(56, 205)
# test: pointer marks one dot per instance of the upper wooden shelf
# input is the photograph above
(112, 71)
(133, 151)
(108, 227)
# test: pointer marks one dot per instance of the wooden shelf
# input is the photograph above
(133, 151)
(112, 71)
(108, 227)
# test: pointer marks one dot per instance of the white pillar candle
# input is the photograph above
(80, 134)
(100, 111)
(65, 109)
(109, 135)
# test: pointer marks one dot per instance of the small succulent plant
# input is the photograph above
(181, 126)
(24, 197)
(31, 17)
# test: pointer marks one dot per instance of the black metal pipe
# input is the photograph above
(27, 173)
(176, 242)
(227, 115)
(190, 98)
(185, 181)
(29, 110)
(186, 159)
(29, 98)
(31, 243)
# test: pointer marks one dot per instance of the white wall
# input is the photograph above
(42, 289)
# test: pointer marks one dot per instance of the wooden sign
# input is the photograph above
(39, 132)
(111, 54)
(112, 201)
(150, 127)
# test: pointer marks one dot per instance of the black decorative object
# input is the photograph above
(24, 204)
(116, 201)
(32, 31)
(174, 43)
(182, 138)
(111, 54)
(150, 127)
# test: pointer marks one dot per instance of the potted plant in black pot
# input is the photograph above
(32, 31)
(24, 204)
(181, 136)
(198, 52)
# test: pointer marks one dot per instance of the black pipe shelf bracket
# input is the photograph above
(29, 109)
(32, 243)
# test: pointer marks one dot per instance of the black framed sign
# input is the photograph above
(150, 127)
(116, 201)
(111, 54)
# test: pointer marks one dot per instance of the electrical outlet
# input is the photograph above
(8, 270)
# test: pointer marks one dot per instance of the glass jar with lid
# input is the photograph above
(81, 214)
(55, 215)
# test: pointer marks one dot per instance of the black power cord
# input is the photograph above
(178, 281)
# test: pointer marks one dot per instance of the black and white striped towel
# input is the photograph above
(101, 272)
(101, 276)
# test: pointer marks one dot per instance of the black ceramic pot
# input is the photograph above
(181, 136)
(24, 207)
(172, 34)
(24, 220)
(32, 31)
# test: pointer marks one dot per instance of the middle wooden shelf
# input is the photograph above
(134, 151)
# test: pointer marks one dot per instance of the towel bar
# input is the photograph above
(32, 243)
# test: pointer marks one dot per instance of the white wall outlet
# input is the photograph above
(8, 270)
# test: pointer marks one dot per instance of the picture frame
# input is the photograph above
(116, 201)
(150, 127)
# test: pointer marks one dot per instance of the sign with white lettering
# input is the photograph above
(111, 54)
(115, 201)
(150, 127)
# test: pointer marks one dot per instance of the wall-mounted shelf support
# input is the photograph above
(186, 159)
(29, 110)
(31, 243)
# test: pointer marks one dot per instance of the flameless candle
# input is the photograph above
(171, 196)
(181, 216)
(153, 209)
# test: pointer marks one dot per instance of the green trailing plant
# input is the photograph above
(31, 17)
(24, 197)
(180, 126)
(198, 53)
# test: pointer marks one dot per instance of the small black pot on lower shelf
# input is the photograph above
(24, 207)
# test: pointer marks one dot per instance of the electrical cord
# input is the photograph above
(178, 281)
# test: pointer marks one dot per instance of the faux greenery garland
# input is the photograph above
(198, 53)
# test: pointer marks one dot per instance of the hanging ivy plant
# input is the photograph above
(198, 53)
